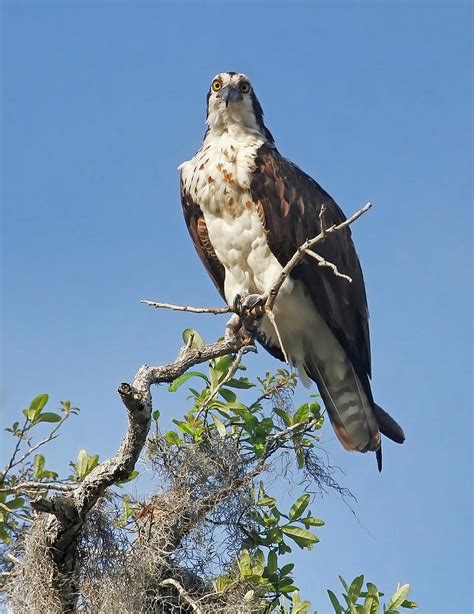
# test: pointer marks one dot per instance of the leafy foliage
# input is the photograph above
(359, 601)
(215, 459)
(26, 467)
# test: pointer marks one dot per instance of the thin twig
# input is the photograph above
(214, 310)
(294, 427)
(15, 451)
(322, 218)
(271, 317)
(9, 556)
(182, 593)
(24, 486)
(323, 262)
(44, 441)
(270, 443)
(301, 252)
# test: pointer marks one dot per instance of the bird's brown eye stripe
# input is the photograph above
(244, 87)
(216, 85)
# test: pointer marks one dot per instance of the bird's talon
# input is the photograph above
(250, 308)
(237, 303)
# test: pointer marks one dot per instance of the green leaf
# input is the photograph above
(48, 417)
(284, 415)
(265, 500)
(303, 537)
(52, 475)
(298, 606)
(355, 588)
(258, 563)
(301, 414)
(192, 337)
(245, 564)
(36, 405)
(335, 603)
(39, 402)
(344, 583)
(284, 548)
(237, 407)
(4, 534)
(398, 596)
(184, 427)
(222, 364)
(288, 588)
(286, 569)
(220, 426)
(250, 420)
(81, 463)
(275, 535)
(16, 503)
(172, 437)
(241, 382)
(38, 465)
(272, 562)
(228, 395)
(249, 595)
(131, 477)
(182, 379)
(155, 415)
(85, 463)
(311, 521)
(411, 605)
(299, 507)
(372, 602)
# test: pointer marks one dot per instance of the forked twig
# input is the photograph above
(301, 252)
(323, 262)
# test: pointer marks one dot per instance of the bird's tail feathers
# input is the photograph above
(348, 408)
(388, 426)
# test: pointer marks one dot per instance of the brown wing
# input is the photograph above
(198, 230)
(291, 202)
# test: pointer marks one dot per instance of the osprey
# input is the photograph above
(248, 210)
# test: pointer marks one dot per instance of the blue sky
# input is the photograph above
(102, 101)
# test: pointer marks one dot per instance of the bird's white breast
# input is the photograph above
(218, 179)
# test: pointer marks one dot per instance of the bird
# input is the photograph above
(248, 209)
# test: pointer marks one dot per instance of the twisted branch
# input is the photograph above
(67, 511)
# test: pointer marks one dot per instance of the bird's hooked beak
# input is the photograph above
(229, 94)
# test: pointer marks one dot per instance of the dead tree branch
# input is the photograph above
(67, 512)
(182, 593)
(214, 310)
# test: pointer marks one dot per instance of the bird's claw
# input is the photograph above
(251, 309)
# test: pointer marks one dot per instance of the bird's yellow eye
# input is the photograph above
(244, 87)
(216, 85)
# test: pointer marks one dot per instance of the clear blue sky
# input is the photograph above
(102, 101)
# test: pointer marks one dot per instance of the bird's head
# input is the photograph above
(233, 106)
